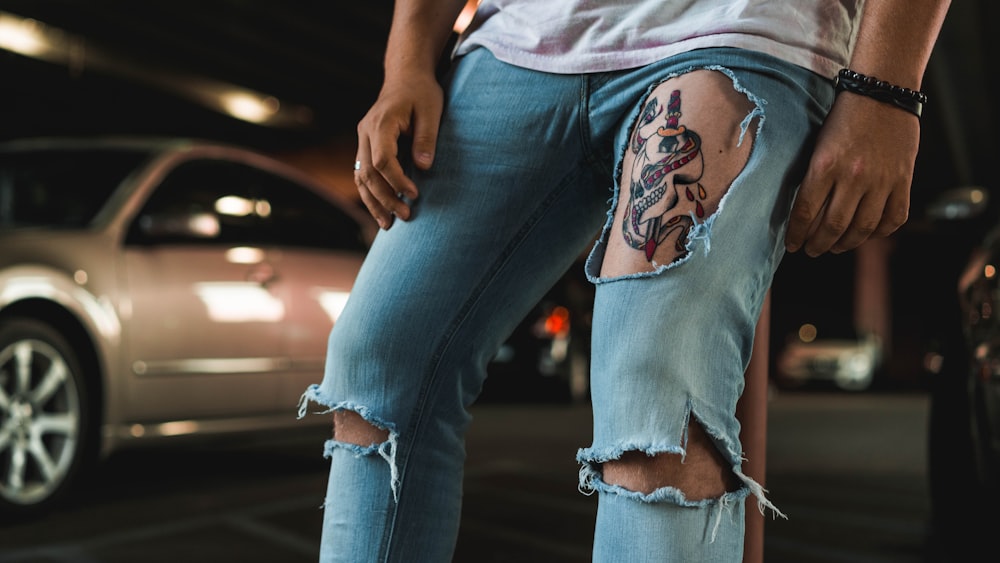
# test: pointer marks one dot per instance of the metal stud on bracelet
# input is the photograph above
(912, 101)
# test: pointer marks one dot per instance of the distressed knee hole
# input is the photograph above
(686, 148)
(351, 431)
(349, 427)
(701, 473)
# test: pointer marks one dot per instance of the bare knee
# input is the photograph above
(350, 427)
(704, 472)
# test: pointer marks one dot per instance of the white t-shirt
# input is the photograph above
(578, 36)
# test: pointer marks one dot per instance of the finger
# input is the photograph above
(425, 134)
(383, 192)
(807, 211)
(896, 212)
(384, 161)
(381, 215)
(378, 196)
(835, 221)
(876, 217)
(817, 221)
(371, 189)
(866, 220)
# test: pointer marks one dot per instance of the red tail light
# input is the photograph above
(557, 322)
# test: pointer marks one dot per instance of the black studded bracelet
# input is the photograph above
(912, 101)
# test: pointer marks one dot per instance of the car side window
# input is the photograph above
(201, 202)
(42, 188)
(299, 217)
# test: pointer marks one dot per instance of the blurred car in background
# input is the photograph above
(160, 289)
(817, 341)
(979, 296)
(547, 358)
(849, 363)
(153, 289)
(964, 426)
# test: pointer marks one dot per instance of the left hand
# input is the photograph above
(858, 181)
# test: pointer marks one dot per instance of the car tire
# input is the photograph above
(45, 418)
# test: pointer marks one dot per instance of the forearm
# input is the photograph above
(858, 188)
(896, 38)
(420, 30)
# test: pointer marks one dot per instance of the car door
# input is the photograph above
(317, 252)
(203, 333)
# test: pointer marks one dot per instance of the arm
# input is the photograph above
(858, 181)
(409, 103)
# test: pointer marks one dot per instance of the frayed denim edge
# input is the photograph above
(386, 450)
(591, 478)
(701, 232)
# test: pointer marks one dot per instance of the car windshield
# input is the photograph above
(60, 188)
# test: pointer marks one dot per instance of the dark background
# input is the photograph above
(133, 58)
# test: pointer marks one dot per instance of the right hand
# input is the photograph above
(408, 105)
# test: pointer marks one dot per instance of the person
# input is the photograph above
(688, 144)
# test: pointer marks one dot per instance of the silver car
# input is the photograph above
(152, 289)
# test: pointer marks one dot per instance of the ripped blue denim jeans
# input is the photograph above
(685, 191)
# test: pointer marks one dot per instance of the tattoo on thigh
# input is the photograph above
(667, 167)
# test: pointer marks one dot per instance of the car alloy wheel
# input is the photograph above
(42, 415)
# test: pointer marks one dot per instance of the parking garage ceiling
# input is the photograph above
(144, 66)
